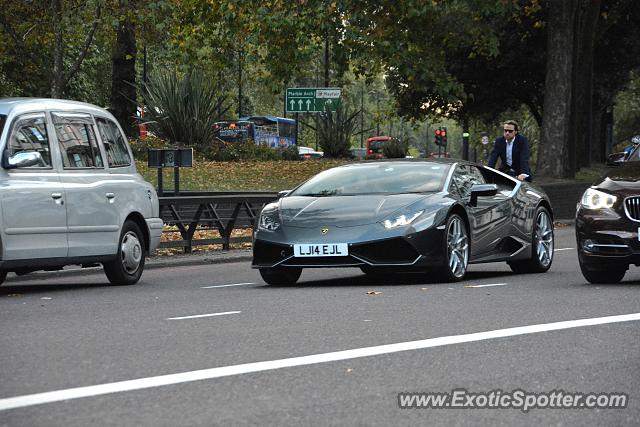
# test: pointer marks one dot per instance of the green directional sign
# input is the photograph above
(312, 99)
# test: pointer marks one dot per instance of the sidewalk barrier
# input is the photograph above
(219, 211)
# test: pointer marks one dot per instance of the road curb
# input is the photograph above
(151, 264)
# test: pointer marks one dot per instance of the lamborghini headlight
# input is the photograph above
(269, 219)
(595, 199)
(403, 218)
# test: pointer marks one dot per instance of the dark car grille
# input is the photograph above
(392, 251)
(632, 208)
(270, 253)
(322, 261)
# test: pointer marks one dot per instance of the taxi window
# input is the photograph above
(29, 134)
(77, 141)
(114, 143)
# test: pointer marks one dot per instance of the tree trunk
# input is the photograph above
(123, 76)
(583, 81)
(598, 147)
(58, 50)
(553, 154)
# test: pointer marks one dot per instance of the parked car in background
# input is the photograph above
(70, 193)
(358, 153)
(307, 153)
(405, 215)
(608, 225)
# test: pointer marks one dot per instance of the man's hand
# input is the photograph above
(523, 176)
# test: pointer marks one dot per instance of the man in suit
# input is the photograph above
(513, 151)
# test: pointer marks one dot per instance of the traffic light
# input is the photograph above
(438, 140)
(443, 136)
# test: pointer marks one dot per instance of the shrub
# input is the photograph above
(289, 153)
(335, 130)
(395, 149)
(182, 109)
(139, 147)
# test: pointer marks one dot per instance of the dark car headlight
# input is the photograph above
(269, 219)
(596, 199)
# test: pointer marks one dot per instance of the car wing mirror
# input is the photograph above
(21, 159)
(615, 159)
(482, 190)
(283, 193)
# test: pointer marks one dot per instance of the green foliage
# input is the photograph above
(140, 147)
(181, 109)
(289, 153)
(245, 151)
(335, 130)
(395, 149)
(627, 112)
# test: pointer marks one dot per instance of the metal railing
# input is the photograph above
(219, 211)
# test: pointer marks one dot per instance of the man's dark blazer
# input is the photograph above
(519, 157)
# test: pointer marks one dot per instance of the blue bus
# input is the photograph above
(271, 131)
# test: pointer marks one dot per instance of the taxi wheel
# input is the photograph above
(280, 276)
(3, 276)
(128, 265)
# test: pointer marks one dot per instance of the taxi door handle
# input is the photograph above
(57, 197)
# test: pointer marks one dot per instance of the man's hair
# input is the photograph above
(512, 122)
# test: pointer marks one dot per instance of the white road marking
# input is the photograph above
(562, 249)
(226, 371)
(486, 286)
(204, 315)
(226, 286)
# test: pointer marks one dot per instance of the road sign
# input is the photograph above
(312, 99)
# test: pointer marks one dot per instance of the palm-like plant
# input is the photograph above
(182, 109)
(335, 130)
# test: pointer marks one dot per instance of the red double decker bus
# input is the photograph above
(374, 146)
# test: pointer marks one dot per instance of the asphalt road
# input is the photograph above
(73, 331)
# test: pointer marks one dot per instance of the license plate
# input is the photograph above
(317, 250)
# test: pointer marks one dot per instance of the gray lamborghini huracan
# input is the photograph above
(405, 215)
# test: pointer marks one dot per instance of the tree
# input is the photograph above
(48, 43)
(123, 74)
(552, 157)
(61, 77)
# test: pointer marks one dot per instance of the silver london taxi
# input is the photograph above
(70, 193)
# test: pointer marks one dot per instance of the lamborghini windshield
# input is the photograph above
(376, 178)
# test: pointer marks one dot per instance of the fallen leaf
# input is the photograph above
(46, 298)
(349, 370)
(374, 293)
(424, 289)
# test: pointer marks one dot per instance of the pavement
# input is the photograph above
(152, 262)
